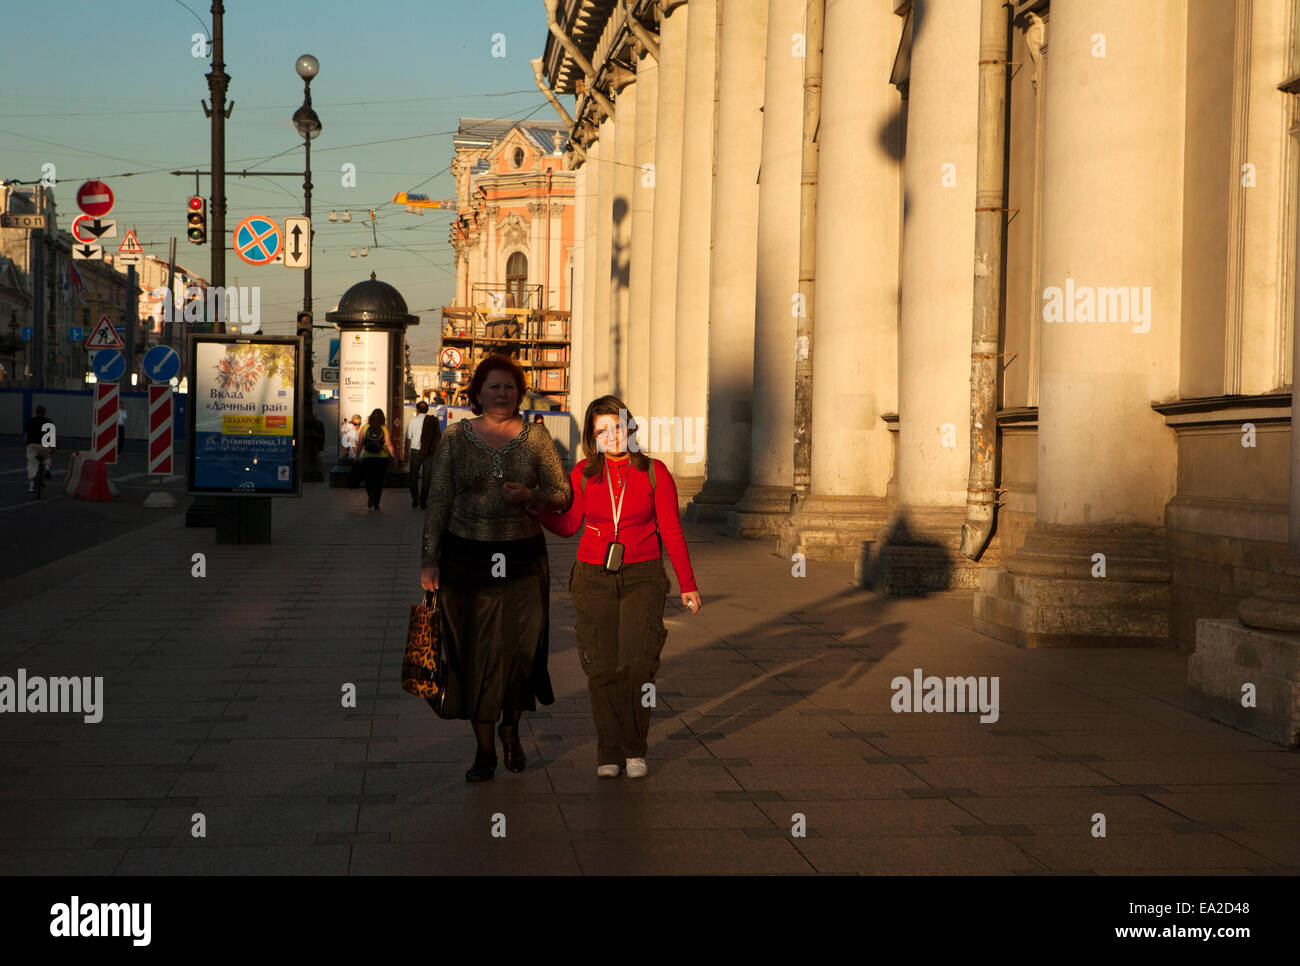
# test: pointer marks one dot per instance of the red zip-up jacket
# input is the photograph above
(594, 514)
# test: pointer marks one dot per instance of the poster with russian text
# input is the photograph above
(245, 399)
(363, 377)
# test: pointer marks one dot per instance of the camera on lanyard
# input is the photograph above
(614, 552)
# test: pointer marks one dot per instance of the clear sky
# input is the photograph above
(102, 89)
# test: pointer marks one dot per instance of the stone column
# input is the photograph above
(604, 375)
(474, 268)
(693, 252)
(919, 549)
(643, 194)
(667, 212)
(766, 502)
(536, 251)
(1262, 648)
(462, 267)
(733, 267)
(624, 177)
(1093, 568)
(577, 317)
(558, 280)
(590, 276)
(492, 251)
(855, 342)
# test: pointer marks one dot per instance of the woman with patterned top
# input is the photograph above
(626, 506)
(486, 557)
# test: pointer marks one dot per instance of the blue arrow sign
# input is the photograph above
(161, 363)
(109, 365)
(74, 334)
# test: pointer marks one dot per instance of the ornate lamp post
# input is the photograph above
(309, 126)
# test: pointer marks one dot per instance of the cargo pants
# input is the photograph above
(620, 635)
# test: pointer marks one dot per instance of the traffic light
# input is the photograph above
(196, 219)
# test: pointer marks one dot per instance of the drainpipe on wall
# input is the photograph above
(579, 58)
(986, 310)
(803, 371)
(536, 64)
(648, 40)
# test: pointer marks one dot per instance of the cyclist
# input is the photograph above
(36, 432)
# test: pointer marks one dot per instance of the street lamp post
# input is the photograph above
(309, 126)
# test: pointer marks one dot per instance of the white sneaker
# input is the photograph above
(636, 768)
(607, 771)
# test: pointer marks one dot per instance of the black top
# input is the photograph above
(35, 428)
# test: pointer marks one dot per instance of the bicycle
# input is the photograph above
(44, 464)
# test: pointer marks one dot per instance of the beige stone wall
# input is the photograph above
(1227, 526)
(1205, 203)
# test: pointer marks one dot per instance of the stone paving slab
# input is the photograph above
(223, 697)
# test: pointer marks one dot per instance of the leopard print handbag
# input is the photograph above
(420, 663)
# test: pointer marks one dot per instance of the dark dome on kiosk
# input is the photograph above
(372, 302)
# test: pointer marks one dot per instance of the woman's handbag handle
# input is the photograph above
(429, 599)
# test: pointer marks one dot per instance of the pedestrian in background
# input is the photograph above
(487, 559)
(121, 429)
(414, 429)
(422, 460)
(626, 506)
(37, 452)
(315, 434)
(348, 438)
(376, 453)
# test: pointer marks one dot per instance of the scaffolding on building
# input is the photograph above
(509, 320)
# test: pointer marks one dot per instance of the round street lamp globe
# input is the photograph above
(307, 66)
(306, 121)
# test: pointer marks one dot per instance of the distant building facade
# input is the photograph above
(513, 239)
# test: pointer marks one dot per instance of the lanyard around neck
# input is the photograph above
(618, 507)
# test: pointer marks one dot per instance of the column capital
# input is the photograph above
(619, 78)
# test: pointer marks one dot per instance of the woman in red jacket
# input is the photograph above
(626, 506)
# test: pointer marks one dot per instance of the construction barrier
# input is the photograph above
(88, 479)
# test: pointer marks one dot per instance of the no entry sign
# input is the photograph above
(95, 198)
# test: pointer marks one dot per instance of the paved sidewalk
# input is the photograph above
(223, 699)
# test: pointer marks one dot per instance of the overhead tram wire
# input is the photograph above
(265, 158)
(272, 107)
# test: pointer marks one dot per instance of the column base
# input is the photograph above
(687, 487)
(714, 500)
(832, 527)
(918, 551)
(760, 513)
(1276, 607)
(1046, 594)
(1228, 656)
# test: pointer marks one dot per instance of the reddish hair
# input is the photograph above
(487, 365)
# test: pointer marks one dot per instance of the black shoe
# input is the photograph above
(513, 750)
(483, 768)
(415, 504)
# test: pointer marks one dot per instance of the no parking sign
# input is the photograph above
(258, 240)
